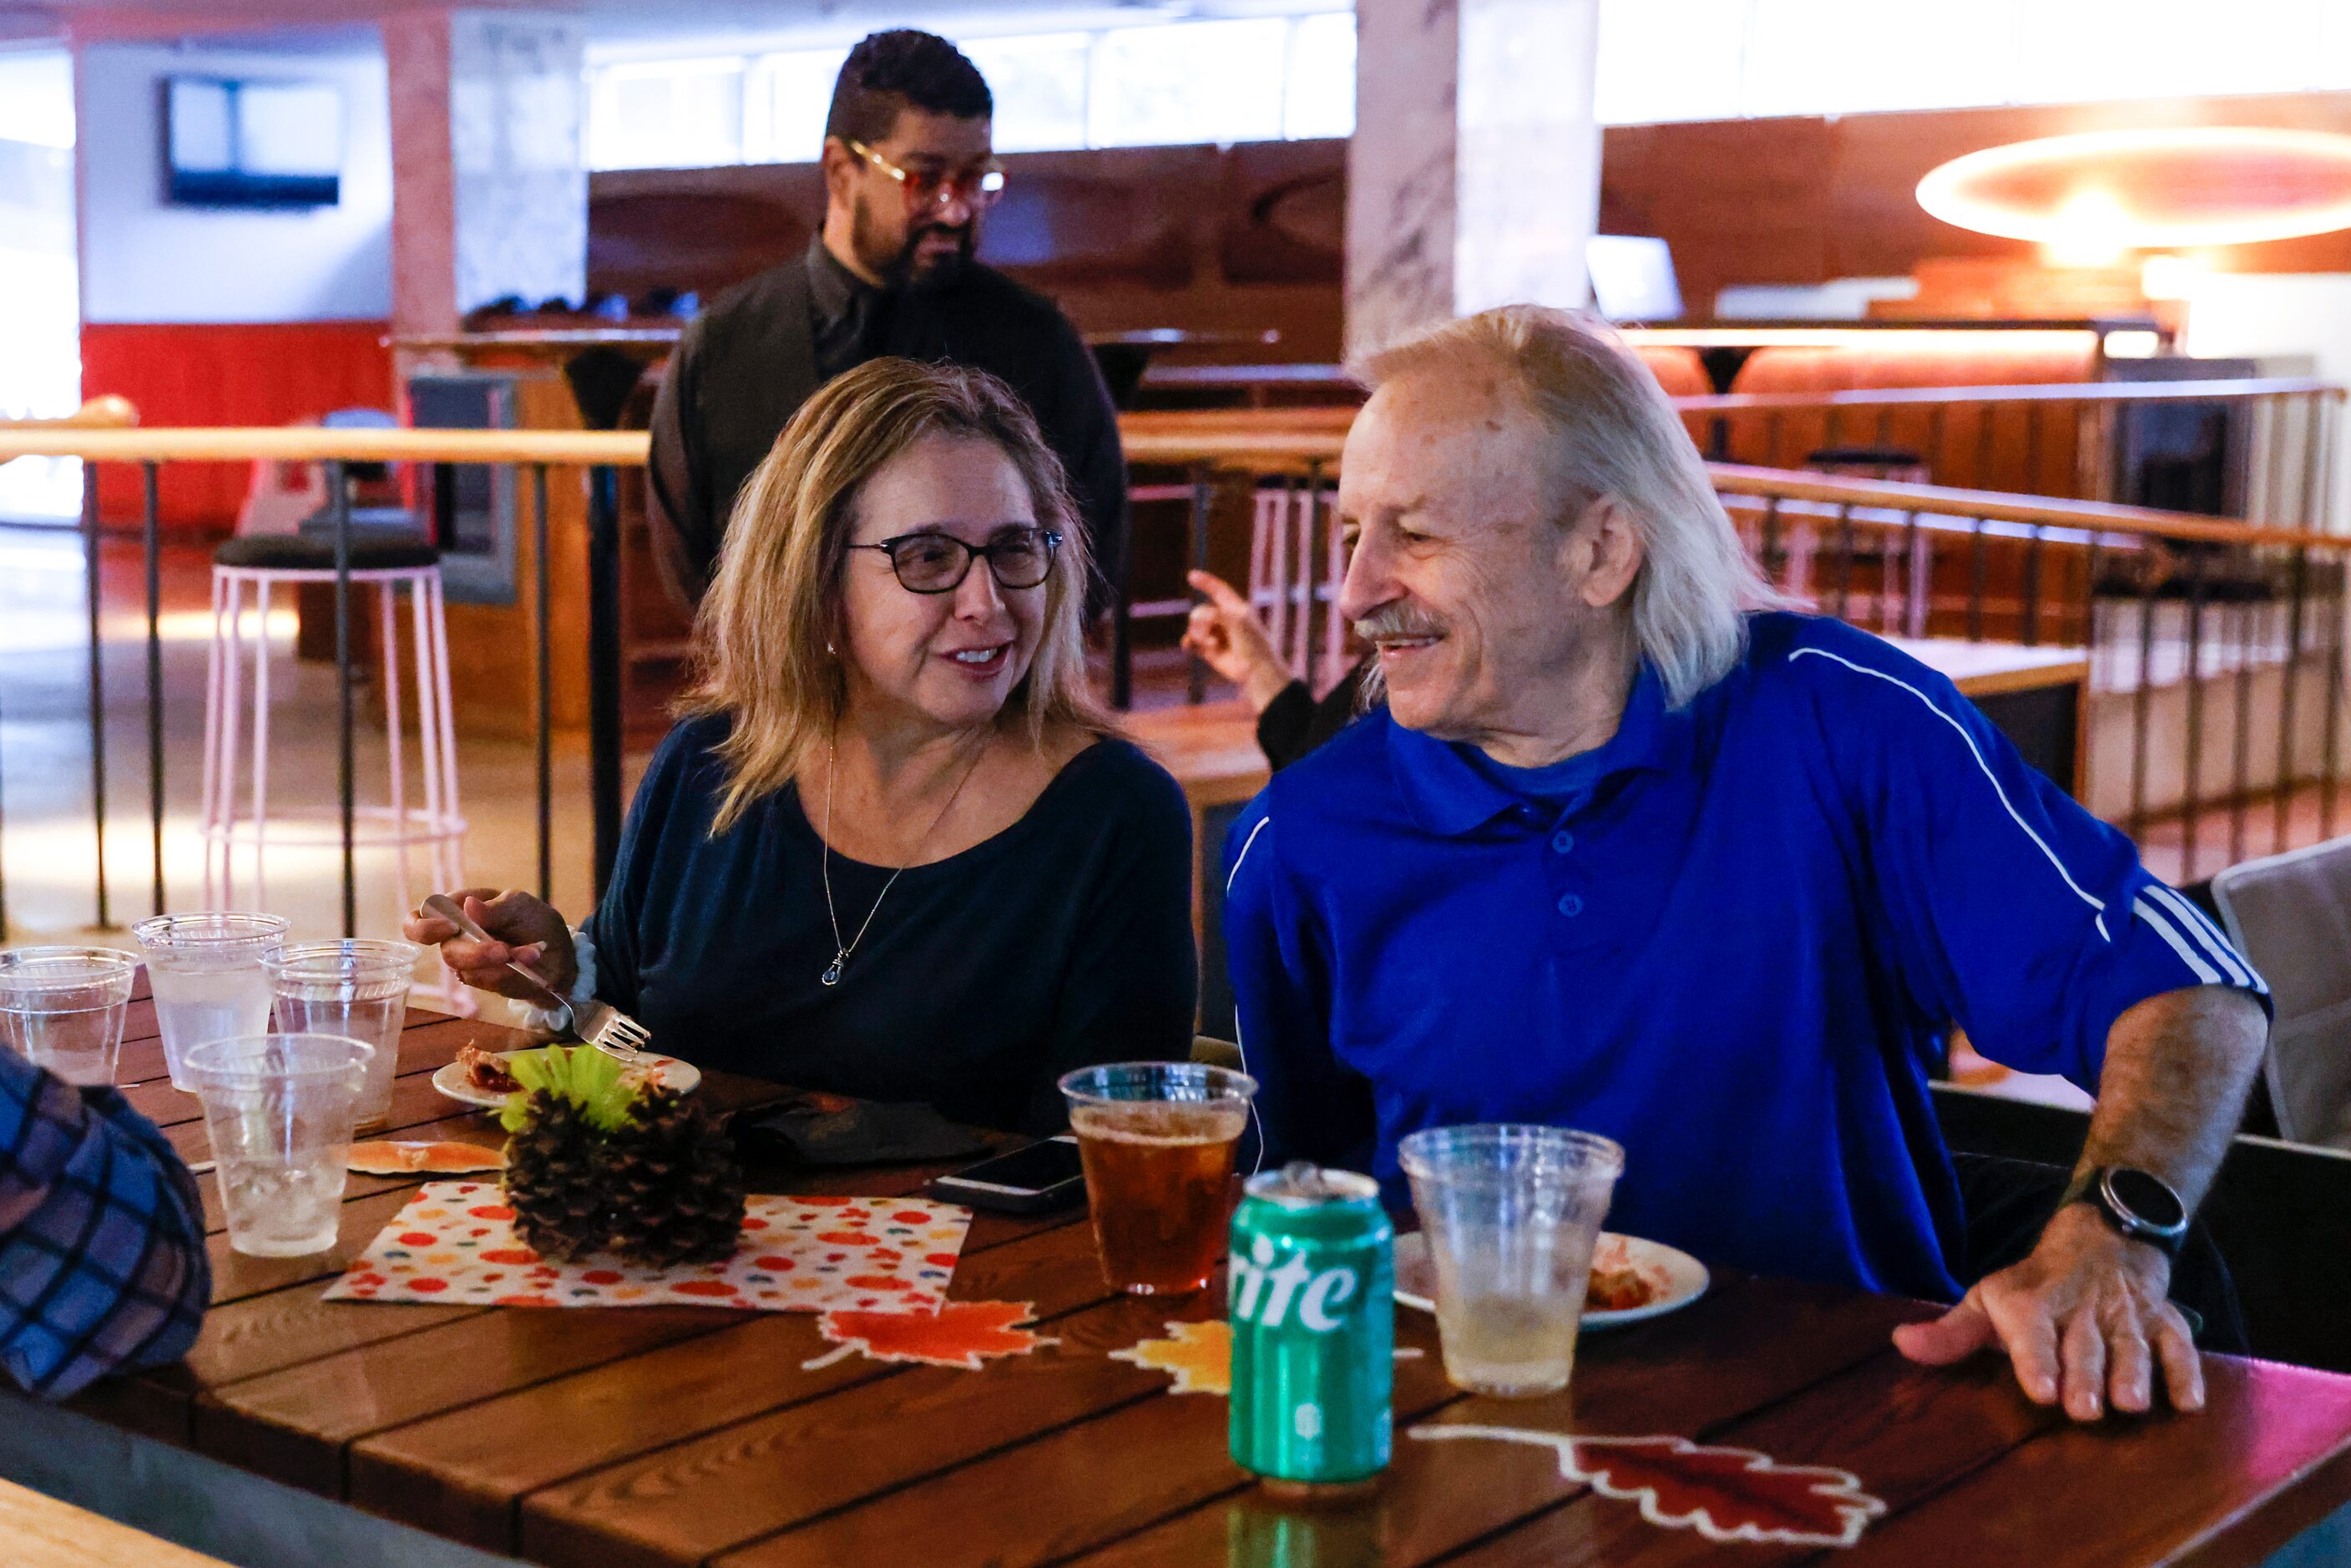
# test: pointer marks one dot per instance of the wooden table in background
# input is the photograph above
(618, 1437)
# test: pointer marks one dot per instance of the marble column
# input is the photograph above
(489, 176)
(1473, 177)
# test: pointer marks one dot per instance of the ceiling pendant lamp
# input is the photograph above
(2164, 188)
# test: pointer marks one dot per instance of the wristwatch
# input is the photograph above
(2135, 1203)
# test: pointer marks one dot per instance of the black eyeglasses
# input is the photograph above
(937, 563)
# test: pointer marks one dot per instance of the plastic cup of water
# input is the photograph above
(357, 989)
(208, 978)
(62, 1008)
(1511, 1214)
(279, 1110)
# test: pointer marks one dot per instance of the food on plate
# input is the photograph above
(1618, 1287)
(389, 1158)
(486, 1070)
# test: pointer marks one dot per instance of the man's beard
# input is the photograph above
(900, 268)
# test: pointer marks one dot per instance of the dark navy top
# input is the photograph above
(1063, 941)
(1737, 951)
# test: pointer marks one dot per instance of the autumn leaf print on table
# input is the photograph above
(1200, 1355)
(1726, 1494)
(960, 1335)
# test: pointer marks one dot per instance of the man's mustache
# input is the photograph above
(1396, 620)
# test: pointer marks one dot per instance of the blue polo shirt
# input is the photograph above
(1735, 946)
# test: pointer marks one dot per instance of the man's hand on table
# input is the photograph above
(2085, 1317)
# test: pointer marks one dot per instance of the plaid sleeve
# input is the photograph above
(103, 1264)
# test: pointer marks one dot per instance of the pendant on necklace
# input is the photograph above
(832, 975)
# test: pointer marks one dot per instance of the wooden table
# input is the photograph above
(668, 1436)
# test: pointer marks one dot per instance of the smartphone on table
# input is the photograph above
(1037, 1179)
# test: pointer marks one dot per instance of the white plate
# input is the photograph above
(1685, 1277)
(667, 1072)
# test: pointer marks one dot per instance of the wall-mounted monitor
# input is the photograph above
(254, 143)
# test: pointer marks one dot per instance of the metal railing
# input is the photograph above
(2260, 449)
(2215, 648)
(594, 456)
(2223, 622)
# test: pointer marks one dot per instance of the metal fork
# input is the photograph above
(600, 1024)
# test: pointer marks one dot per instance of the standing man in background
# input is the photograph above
(908, 170)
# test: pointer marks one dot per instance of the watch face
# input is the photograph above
(2148, 1199)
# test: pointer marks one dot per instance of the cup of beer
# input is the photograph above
(1157, 1139)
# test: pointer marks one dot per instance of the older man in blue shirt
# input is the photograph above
(1633, 851)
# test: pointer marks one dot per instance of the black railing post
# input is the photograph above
(338, 499)
(2329, 763)
(92, 591)
(2241, 756)
(2288, 766)
(2033, 589)
(2191, 776)
(1977, 567)
(604, 667)
(151, 538)
(2141, 701)
(1845, 561)
(543, 712)
(1196, 675)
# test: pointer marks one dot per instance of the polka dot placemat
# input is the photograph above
(454, 1242)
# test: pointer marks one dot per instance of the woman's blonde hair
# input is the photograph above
(765, 636)
(1611, 432)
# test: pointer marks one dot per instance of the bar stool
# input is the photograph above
(246, 570)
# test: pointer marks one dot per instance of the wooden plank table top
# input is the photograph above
(37, 1532)
(661, 1436)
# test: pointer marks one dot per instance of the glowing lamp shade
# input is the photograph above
(2167, 189)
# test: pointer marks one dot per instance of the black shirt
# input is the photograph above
(1063, 941)
(747, 363)
(1294, 724)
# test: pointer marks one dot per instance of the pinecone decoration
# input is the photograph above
(556, 1179)
(674, 1189)
(554, 1182)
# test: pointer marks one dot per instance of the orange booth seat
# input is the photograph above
(1678, 369)
(2026, 448)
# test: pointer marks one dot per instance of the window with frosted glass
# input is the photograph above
(1201, 81)
(40, 336)
(665, 114)
(1320, 98)
(1039, 86)
(793, 92)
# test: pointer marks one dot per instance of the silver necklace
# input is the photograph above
(841, 950)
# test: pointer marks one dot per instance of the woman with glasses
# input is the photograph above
(896, 849)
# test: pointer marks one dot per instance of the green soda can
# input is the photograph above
(1313, 1316)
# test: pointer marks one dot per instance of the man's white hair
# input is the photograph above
(1610, 433)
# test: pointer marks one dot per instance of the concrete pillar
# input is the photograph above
(1473, 177)
(489, 176)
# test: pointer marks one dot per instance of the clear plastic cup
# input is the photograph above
(279, 1110)
(357, 989)
(63, 1007)
(1511, 1214)
(208, 978)
(1157, 1140)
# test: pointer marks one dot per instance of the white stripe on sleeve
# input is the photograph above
(2201, 927)
(2162, 927)
(2038, 842)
